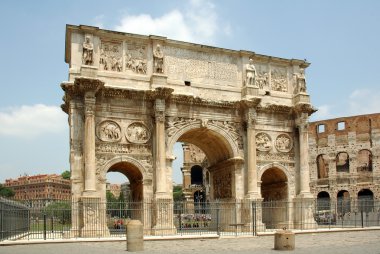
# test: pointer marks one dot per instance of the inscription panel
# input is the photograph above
(188, 65)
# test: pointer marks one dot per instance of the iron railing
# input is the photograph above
(239, 217)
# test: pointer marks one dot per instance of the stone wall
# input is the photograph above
(345, 155)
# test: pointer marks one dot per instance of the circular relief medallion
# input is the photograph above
(137, 133)
(263, 141)
(284, 143)
(109, 131)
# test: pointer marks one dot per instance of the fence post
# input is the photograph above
(44, 226)
(254, 218)
(1, 221)
(362, 218)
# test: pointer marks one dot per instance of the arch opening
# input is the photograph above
(364, 161)
(196, 175)
(214, 151)
(274, 190)
(323, 201)
(323, 166)
(342, 162)
(344, 202)
(365, 200)
(274, 185)
(134, 192)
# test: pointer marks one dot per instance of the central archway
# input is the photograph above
(221, 151)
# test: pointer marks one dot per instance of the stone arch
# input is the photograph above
(322, 161)
(343, 202)
(279, 176)
(132, 169)
(224, 137)
(323, 201)
(274, 165)
(342, 162)
(222, 153)
(366, 200)
(364, 161)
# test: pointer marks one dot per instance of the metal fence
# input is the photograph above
(14, 219)
(69, 220)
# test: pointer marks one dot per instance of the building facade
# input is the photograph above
(40, 190)
(345, 158)
(130, 98)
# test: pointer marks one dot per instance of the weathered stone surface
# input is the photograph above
(130, 98)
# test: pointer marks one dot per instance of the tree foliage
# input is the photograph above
(6, 192)
(177, 193)
(59, 210)
(66, 175)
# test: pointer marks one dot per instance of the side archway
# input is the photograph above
(133, 170)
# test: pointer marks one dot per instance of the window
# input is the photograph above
(187, 83)
(341, 126)
(321, 128)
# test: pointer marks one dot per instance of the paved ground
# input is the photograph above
(367, 242)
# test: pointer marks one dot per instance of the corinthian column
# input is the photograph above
(89, 142)
(251, 154)
(160, 147)
(302, 124)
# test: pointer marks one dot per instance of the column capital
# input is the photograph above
(88, 85)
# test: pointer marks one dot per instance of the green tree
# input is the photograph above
(66, 175)
(6, 192)
(177, 193)
(60, 210)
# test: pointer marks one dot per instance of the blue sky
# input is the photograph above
(341, 39)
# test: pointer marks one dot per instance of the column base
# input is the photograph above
(304, 213)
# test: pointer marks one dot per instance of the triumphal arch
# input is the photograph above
(130, 98)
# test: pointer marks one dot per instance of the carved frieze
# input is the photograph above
(222, 184)
(279, 80)
(137, 133)
(123, 148)
(269, 156)
(232, 128)
(263, 141)
(175, 124)
(109, 131)
(284, 143)
(136, 58)
(262, 80)
(111, 56)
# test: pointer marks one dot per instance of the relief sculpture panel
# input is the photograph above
(284, 143)
(263, 142)
(222, 184)
(279, 81)
(111, 57)
(109, 131)
(136, 58)
(137, 133)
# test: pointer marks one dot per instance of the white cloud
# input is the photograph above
(98, 21)
(324, 112)
(364, 101)
(32, 121)
(197, 23)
